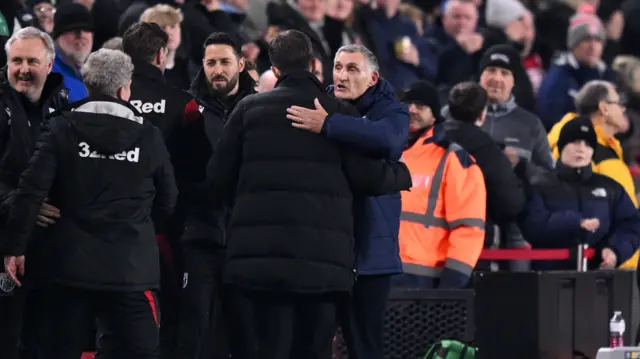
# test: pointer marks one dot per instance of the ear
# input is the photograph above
(602, 106)
(241, 64)
(314, 65)
(124, 92)
(275, 71)
(50, 64)
(375, 77)
(158, 58)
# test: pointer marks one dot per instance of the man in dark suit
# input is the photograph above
(290, 241)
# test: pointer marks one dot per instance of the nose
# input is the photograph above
(413, 109)
(341, 74)
(24, 68)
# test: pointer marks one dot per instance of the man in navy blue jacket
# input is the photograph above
(382, 131)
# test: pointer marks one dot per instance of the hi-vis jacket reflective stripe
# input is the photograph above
(443, 214)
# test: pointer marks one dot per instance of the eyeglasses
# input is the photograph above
(619, 103)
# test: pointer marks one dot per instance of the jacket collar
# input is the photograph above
(382, 91)
(496, 109)
(570, 174)
(147, 70)
(567, 59)
(297, 78)
(107, 105)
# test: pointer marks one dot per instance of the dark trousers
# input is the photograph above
(291, 326)
(23, 323)
(130, 318)
(205, 333)
(362, 318)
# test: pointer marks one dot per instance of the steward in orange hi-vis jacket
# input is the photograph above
(443, 214)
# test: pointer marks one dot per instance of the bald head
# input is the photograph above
(267, 81)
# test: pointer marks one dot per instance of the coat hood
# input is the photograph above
(108, 125)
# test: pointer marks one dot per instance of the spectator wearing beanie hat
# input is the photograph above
(73, 34)
(582, 63)
(573, 205)
(424, 108)
(519, 130)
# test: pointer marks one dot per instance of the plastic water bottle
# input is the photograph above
(616, 330)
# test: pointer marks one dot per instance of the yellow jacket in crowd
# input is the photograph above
(607, 161)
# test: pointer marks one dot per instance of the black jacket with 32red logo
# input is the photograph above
(106, 169)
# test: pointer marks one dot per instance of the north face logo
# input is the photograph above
(129, 156)
(148, 107)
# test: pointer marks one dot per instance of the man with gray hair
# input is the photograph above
(30, 92)
(107, 169)
(382, 131)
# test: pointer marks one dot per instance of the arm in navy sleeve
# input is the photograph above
(554, 100)
(625, 231)
(384, 138)
(541, 226)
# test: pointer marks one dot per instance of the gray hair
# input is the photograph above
(105, 71)
(33, 33)
(372, 60)
(114, 43)
(588, 99)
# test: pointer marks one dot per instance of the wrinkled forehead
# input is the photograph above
(27, 48)
(351, 59)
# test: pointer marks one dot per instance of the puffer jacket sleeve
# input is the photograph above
(542, 226)
(385, 137)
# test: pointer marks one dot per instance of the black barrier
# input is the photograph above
(549, 315)
(415, 319)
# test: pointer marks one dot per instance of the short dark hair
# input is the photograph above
(222, 38)
(467, 100)
(250, 65)
(588, 99)
(290, 51)
(143, 40)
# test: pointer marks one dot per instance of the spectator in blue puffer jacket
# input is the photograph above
(567, 75)
(382, 131)
(573, 205)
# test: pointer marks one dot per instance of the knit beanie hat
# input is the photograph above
(500, 13)
(503, 56)
(582, 27)
(580, 128)
(423, 93)
(71, 17)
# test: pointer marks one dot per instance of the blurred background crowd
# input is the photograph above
(552, 48)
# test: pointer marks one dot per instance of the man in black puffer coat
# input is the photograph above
(290, 240)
